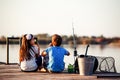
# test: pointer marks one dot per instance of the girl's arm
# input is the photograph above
(38, 46)
(36, 50)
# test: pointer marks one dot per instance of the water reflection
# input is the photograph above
(95, 50)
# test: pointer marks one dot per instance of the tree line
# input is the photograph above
(46, 39)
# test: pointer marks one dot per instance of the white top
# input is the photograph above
(30, 65)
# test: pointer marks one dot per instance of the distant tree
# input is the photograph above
(42, 36)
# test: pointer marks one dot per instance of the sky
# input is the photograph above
(89, 17)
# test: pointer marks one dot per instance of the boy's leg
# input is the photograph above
(45, 61)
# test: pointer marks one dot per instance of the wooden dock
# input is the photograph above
(12, 72)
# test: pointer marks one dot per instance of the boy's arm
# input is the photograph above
(66, 52)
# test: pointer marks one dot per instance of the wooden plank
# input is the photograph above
(12, 72)
(107, 75)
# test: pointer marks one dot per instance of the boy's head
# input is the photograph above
(56, 40)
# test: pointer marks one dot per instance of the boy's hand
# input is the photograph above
(44, 53)
(68, 54)
(50, 44)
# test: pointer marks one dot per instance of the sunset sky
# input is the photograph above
(89, 17)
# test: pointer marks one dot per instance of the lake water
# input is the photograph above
(96, 50)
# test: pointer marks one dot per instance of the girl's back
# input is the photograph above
(30, 65)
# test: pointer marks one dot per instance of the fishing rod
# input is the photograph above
(74, 42)
(75, 51)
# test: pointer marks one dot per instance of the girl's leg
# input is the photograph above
(39, 61)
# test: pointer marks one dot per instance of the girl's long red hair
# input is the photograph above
(24, 49)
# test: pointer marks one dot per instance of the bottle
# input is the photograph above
(70, 68)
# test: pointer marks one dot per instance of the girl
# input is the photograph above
(54, 55)
(29, 57)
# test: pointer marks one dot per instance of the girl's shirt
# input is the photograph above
(56, 58)
(30, 65)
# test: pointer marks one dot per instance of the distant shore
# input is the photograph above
(46, 39)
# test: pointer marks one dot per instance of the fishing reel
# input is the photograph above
(75, 53)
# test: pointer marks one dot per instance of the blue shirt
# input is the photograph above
(56, 58)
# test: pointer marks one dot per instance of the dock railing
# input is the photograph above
(8, 43)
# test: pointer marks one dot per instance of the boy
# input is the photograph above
(54, 55)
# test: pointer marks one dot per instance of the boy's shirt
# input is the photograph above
(56, 58)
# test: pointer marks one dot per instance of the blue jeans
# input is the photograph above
(39, 61)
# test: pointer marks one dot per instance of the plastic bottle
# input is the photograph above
(70, 68)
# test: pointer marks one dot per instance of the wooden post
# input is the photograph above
(20, 41)
(7, 51)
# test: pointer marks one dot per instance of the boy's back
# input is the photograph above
(56, 58)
